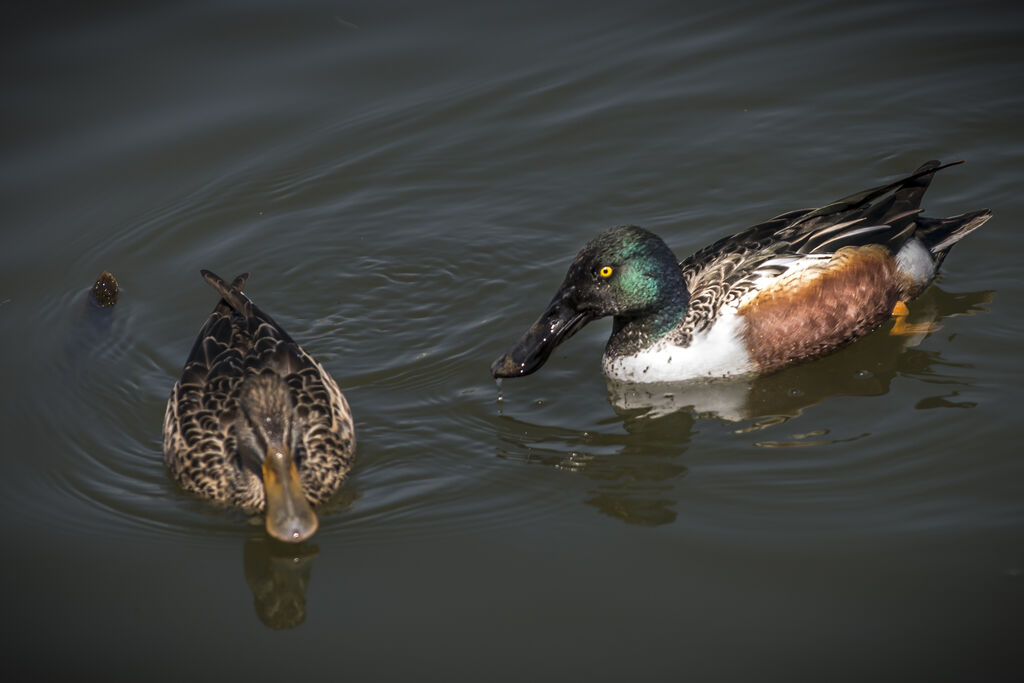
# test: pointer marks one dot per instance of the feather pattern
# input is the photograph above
(789, 289)
(723, 274)
(201, 439)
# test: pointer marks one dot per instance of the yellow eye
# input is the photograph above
(606, 271)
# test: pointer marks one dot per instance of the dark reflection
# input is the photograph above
(865, 368)
(92, 319)
(943, 402)
(634, 509)
(634, 477)
(278, 575)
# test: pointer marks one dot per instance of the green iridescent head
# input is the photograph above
(626, 272)
(622, 271)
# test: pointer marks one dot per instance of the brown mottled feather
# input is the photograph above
(239, 340)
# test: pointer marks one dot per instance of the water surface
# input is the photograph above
(407, 184)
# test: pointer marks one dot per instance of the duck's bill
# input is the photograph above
(560, 321)
(290, 517)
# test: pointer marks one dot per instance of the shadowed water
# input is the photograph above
(407, 183)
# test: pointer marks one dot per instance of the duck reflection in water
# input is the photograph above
(278, 575)
(636, 479)
(278, 572)
(93, 321)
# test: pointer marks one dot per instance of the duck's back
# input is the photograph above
(239, 340)
(807, 282)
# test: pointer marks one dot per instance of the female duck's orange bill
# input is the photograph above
(290, 517)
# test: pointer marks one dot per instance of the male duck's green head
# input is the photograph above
(626, 272)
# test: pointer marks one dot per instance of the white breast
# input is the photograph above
(716, 352)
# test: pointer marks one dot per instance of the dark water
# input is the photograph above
(406, 183)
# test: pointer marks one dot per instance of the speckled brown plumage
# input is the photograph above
(238, 343)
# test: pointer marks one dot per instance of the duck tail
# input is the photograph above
(903, 201)
(940, 234)
(902, 210)
(231, 294)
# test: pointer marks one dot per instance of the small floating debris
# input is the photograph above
(105, 290)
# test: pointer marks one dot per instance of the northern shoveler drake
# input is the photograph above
(255, 421)
(787, 290)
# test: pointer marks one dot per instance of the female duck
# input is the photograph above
(255, 421)
(787, 290)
